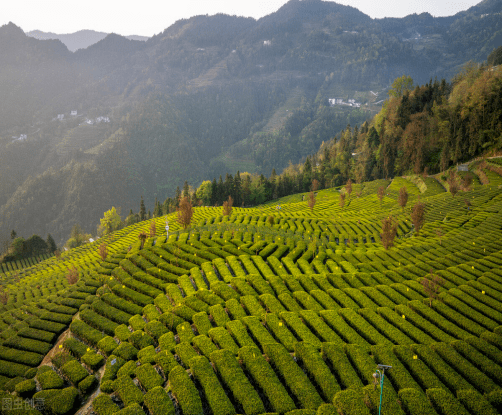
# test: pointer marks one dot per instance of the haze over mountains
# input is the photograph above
(209, 95)
(78, 40)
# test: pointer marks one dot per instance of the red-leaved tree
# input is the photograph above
(417, 216)
(403, 197)
(184, 212)
(227, 207)
(432, 284)
(389, 227)
(380, 194)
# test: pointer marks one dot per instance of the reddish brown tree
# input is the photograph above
(389, 227)
(4, 296)
(439, 234)
(227, 207)
(315, 185)
(184, 212)
(57, 254)
(349, 188)
(403, 197)
(453, 183)
(467, 182)
(152, 229)
(432, 284)
(72, 275)
(102, 251)
(342, 200)
(142, 236)
(417, 216)
(380, 194)
(311, 201)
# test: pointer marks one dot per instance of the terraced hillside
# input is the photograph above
(274, 309)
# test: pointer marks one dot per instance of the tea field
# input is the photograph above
(276, 309)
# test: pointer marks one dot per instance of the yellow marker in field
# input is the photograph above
(483, 292)
(60, 346)
(415, 357)
(280, 323)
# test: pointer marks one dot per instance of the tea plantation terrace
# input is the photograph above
(274, 309)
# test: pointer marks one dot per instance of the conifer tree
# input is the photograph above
(143, 211)
(186, 189)
(51, 244)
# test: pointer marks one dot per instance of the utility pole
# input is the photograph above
(379, 377)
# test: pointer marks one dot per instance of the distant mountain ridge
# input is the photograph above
(209, 95)
(78, 40)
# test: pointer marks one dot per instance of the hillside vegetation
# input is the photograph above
(282, 308)
(205, 96)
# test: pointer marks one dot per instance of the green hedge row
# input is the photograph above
(293, 376)
(48, 378)
(239, 333)
(223, 339)
(473, 375)
(343, 329)
(445, 373)
(280, 331)
(185, 392)
(419, 370)
(130, 295)
(363, 328)
(217, 400)
(98, 322)
(20, 356)
(121, 304)
(394, 334)
(236, 381)
(263, 376)
(28, 345)
(74, 371)
(127, 391)
(148, 376)
(110, 312)
(401, 322)
(351, 402)
(103, 405)
(442, 323)
(158, 402)
(337, 360)
(445, 403)
(317, 369)
(11, 369)
(306, 301)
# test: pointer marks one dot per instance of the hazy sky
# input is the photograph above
(149, 17)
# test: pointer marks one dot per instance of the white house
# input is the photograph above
(61, 116)
(267, 43)
(90, 122)
(331, 101)
(73, 113)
